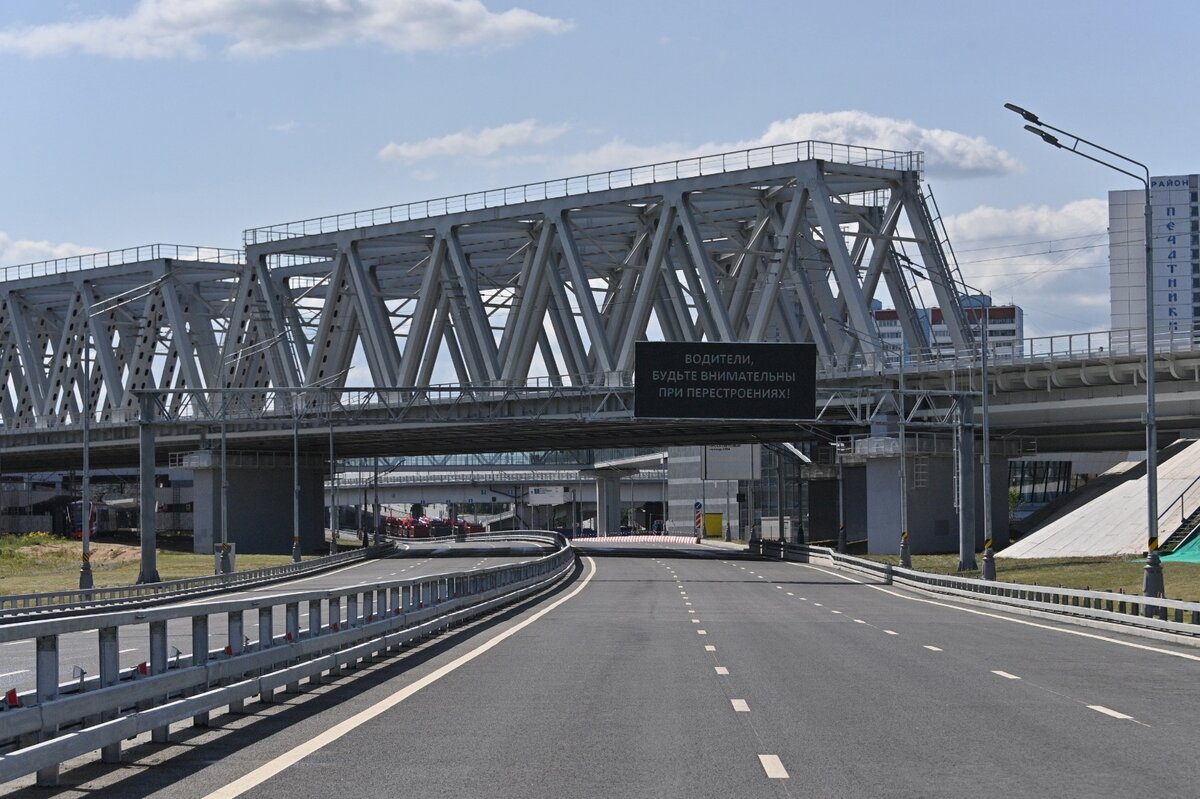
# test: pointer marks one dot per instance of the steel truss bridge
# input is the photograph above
(529, 300)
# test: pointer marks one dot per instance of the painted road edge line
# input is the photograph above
(272, 767)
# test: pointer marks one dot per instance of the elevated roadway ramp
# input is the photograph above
(1114, 523)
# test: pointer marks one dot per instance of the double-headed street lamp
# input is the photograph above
(1152, 584)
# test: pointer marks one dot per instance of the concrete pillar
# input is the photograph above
(147, 522)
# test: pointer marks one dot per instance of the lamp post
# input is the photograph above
(1152, 583)
(85, 506)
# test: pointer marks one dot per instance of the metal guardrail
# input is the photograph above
(129, 255)
(57, 722)
(1163, 615)
(20, 607)
(598, 181)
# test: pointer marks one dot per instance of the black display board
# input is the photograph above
(678, 380)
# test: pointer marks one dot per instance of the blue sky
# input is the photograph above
(186, 121)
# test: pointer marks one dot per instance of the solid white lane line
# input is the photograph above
(719, 669)
(709, 648)
(269, 769)
(932, 648)
(740, 705)
(1080, 633)
(1098, 708)
(1005, 674)
(773, 766)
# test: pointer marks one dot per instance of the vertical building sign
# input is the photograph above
(1172, 219)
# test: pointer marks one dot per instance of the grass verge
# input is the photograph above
(42, 562)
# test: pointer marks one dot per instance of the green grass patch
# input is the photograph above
(1121, 573)
(38, 562)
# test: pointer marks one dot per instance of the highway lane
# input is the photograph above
(80, 649)
(679, 677)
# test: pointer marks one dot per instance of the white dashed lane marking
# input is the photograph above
(773, 766)
(932, 648)
(1005, 674)
(740, 705)
(721, 670)
(1109, 712)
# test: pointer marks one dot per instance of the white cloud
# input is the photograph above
(477, 144)
(190, 28)
(947, 153)
(1053, 262)
(24, 251)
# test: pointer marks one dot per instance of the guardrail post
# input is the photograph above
(291, 621)
(158, 665)
(237, 644)
(368, 603)
(47, 691)
(314, 630)
(887, 574)
(110, 673)
(199, 657)
(335, 624)
(266, 640)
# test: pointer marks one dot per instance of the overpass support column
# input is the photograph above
(608, 497)
(146, 521)
(608, 504)
(966, 485)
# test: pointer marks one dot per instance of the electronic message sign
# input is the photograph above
(678, 380)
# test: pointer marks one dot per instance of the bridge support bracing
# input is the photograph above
(966, 485)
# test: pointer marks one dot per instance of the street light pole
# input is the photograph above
(989, 553)
(85, 506)
(1152, 583)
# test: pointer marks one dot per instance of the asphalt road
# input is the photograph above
(666, 676)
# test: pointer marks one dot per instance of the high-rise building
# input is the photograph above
(1175, 221)
(1005, 326)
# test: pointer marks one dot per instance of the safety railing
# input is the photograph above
(1159, 614)
(598, 181)
(18, 607)
(129, 255)
(43, 728)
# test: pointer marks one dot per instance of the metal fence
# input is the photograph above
(598, 181)
(20, 607)
(1158, 614)
(57, 722)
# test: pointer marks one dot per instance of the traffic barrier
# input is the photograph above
(56, 722)
(23, 606)
(1140, 613)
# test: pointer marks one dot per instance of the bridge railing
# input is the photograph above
(1158, 614)
(129, 255)
(598, 181)
(1096, 345)
(59, 721)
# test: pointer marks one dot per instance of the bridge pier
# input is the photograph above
(259, 502)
